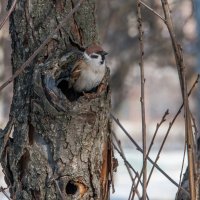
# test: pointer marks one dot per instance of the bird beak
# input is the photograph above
(103, 53)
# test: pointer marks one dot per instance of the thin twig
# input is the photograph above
(168, 130)
(152, 10)
(155, 165)
(162, 145)
(181, 169)
(152, 142)
(9, 13)
(3, 191)
(130, 166)
(132, 191)
(122, 152)
(141, 151)
(127, 166)
(39, 49)
(142, 99)
(182, 78)
(125, 161)
(194, 84)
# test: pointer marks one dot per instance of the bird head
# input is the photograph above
(94, 53)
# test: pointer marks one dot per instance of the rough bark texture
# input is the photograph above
(60, 148)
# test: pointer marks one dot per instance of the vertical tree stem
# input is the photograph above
(142, 98)
(181, 73)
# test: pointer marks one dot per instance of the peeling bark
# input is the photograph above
(60, 147)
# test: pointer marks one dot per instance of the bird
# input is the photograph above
(89, 70)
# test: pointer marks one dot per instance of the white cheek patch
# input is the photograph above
(95, 62)
(86, 56)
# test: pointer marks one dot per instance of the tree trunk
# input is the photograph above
(60, 147)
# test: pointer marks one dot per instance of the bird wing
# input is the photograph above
(76, 71)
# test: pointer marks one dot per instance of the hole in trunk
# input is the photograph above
(69, 93)
(71, 188)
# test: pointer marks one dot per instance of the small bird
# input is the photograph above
(88, 71)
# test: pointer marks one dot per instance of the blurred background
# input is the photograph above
(117, 24)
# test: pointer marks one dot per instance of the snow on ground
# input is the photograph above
(159, 186)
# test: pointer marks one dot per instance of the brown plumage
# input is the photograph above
(93, 49)
(89, 70)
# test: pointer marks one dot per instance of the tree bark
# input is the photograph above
(60, 148)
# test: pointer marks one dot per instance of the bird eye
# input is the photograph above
(94, 56)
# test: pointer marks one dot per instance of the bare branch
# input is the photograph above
(168, 131)
(127, 166)
(142, 99)
(151, 144)
(130, 166)
(152, 10)
(9, 13)
(181, 170)
(182, 78)
(3, 191)
(141, 151)
(39, 49)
